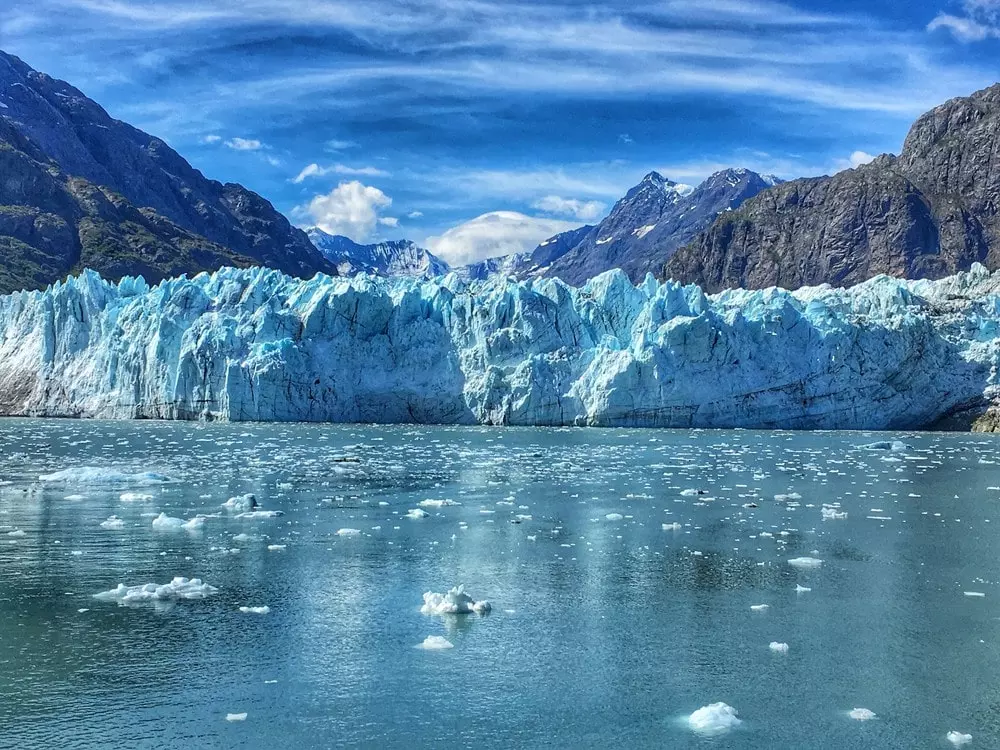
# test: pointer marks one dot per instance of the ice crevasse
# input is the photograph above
(254, 344)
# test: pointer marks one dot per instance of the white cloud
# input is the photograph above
(860, 157)
(210, 138)
(244, 144)
(315, 170)
(388, 221)
(338, 145)
(414, 214)
(582, 210)
(351, 209)
(492, 234)
(981, 21)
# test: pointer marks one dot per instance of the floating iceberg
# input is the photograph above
(255, 610)
(958, 739)
(348, 532)
(178, 588)
(237, 717)
(861, 714)
(417, 513)
(254, 515)
(253, 344)
(714, 719)
(778, 648)
(135, 497)
(435, 643)
(455, 602)
(805, 562)
(832, 514)
(113, 522)
(242, 503)
(437, 503)
(163, 522)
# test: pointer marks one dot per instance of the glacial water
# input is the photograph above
(607, 629)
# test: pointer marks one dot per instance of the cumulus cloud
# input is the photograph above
(244, 144)
(856, 159)
(351, 209)
(414, 214)
(582, 210)
(315, 170)
(981, 20)
(212, 138)
(492, 234)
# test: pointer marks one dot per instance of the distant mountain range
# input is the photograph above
(396, 258)
(79, 189)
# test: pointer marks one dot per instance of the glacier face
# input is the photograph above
(257, 345)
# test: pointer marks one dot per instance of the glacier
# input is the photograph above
(254, 344)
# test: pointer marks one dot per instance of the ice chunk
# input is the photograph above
(614, 516)
(958, 739)
(778, 648)
(135, 497)
(832, 514)
(760, 607)
(113, 522)
(276, 547)
(887, 445)
(435, 643)
(714, 719)
(178, 588)
(437, 503)
(671, 527)
(417, 513)
(75, 497)
(255, 610)
(455, 602)
(97, 475)
(16, 533)
(242, 503)
(348, 532)
(163, 522)
(861, 714)
(976, 594)
(802, 589)
(236, 717)
(255, 515)
(805, 562)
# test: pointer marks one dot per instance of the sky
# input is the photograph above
(477, 127)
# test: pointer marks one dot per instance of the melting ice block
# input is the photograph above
(958, 738)
(805, 562)
(714, 719)
(455, 602)
(97, 475)
(861, 714)
(435, 643)
(178, 588)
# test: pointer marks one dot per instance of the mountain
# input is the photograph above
(254, 344)
(931, 211)
(525, 265)
(397, 258)
(653, 220)
(81, 189)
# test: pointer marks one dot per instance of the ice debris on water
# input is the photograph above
(254, 515)
(614, 516)
(236, 717)
(778, 648)
(830, 513)
(437, 503)
(800, 589)
(178, 588)
(135, 497)
(96, 475)
(896, 446)
(348, 532)
(714, 719)
(671, 527)
(417, 513)
(805, 562)
(861, 714)
(760, 607)
(255, 610)
(435, 643)
(455, 602)
(958, 738)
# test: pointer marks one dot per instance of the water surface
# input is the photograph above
(606, 630)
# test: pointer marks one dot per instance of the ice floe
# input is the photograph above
(417, 513)
(861, 714)
(163, 522)
(958, 738)
(435, 643)
(805, 562)
(97, 475)
(135, 497)
(113, 522)
(778, 648)
(255, 610)
(242, 503)
(178, 588)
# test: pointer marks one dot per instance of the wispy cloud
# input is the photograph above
(244, 144)
(980, 21)
(315, 170)
(582, 210)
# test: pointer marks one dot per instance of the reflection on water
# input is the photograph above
(605, 632)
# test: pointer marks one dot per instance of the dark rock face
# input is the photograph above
(925, 214)
(653, 220)
(80, 189)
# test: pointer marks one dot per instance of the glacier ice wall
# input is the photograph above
(257, 345)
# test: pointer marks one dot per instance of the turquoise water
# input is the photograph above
(604, 633)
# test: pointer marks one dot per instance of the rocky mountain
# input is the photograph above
(81, 189)
(931, 211)
(396, 258)
(653, 220)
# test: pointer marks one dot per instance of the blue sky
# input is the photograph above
(420, 117)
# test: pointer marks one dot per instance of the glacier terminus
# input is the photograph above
(255, 344)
